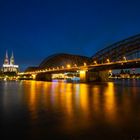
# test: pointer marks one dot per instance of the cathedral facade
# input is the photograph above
(9, 66)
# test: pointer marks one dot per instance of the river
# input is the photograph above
(59, 110)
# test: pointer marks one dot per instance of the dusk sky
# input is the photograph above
(35, 29)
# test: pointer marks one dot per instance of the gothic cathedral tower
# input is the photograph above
(6, 60)
(12, 59)
(9, 66)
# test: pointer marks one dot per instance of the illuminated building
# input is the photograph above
(9, 66)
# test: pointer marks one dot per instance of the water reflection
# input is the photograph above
(68, 108)
(110, 103)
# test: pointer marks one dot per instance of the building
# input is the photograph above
(9, 66)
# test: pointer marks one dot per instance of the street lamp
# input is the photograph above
(95, 62)
(85, 64)
(108, 61)
(68, 66)
(124, 58)
(75, 65)
(62, 67)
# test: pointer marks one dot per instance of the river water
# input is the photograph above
(58, 110)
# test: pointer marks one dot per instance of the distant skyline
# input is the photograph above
(35, 29)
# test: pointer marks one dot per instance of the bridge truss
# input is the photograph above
(125, 49)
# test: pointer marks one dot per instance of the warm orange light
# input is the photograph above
(68, 66)
(85, 64)
(110, 103)
(75, 65)
(84, 100)
(95, 62)
(34, 76)
(83, 75)
(108, 61)
(82, 72)
(124, 58)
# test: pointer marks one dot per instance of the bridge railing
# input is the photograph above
(84, 67)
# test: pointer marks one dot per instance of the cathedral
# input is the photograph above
(9, 66)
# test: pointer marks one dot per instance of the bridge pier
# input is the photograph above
(90, 76)
(44, 77)
(34, 76)
(83, 76)
(104, 75)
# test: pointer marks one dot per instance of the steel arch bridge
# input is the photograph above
(128, 48)
(62, 59)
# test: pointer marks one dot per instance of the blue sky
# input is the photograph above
(35, 29)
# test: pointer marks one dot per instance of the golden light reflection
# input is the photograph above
(96, 99)
(76, 105)
(46, 90)
(84, 99)
(35, 94)
(55, 94)
(68, 99)
(39, 96)
(82, 75)
(110, 104)
(32, 96)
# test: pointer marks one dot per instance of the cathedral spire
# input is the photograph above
(6, 61)
(9, 66)
(12, 59)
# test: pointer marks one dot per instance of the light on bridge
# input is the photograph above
(68, 66)
(34, 76)
(85, 64)
(95, 62)
(124, 58)
(108, 61)
(75, 65)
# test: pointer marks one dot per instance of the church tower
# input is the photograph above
(12, 59)
(9, 66)
(6, 60)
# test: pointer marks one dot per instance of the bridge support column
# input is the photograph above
(34, 76)
(89, 76)
(83, 76)
(44, 77)
(104, 75)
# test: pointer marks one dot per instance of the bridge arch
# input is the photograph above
(129, 47)
(62, 59)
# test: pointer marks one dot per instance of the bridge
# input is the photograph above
(121, 55)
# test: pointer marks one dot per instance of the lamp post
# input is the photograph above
(68, 65)
(85, 64)
(108, 61)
